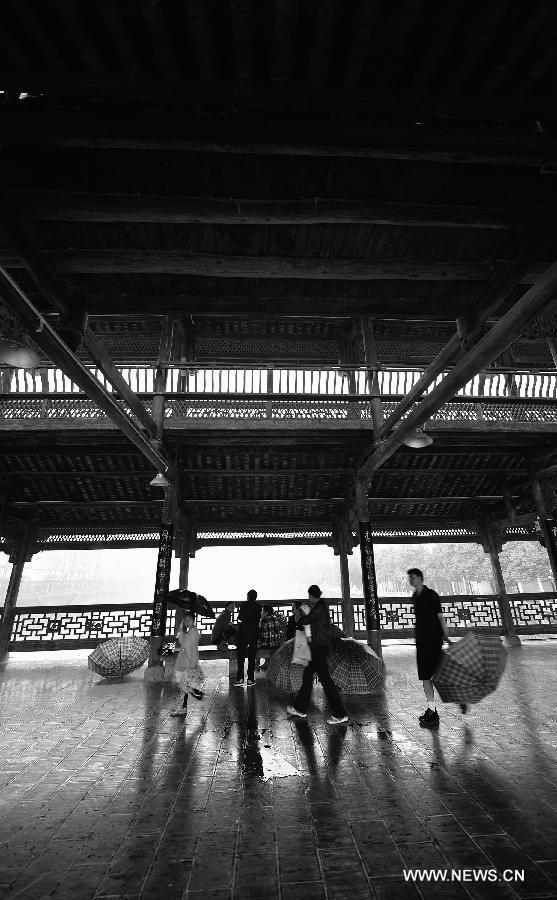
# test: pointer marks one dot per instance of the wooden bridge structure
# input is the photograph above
(258, 247)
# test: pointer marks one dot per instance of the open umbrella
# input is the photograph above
(118, 656)
(356, 669)
(185, 599)
(470, 669)
(281, 672)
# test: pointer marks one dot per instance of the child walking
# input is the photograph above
(187, 669)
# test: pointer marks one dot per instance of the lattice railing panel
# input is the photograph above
(36, 628)
(534, 612)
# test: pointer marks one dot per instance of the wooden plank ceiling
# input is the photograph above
(266, 172)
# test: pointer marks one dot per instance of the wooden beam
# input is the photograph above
(455, 301)
(171, 262)
(305, 135)
(496, 291)
(47, 282)
(69, 206)
(55, 349)
(498, 338)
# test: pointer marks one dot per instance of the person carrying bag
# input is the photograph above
(319, 622)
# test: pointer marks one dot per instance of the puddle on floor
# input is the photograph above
(260, 761)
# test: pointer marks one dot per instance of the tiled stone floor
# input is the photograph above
(102, 794)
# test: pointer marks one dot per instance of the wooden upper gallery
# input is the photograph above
(266, 172)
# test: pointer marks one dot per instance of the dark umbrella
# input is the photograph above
(189, 600)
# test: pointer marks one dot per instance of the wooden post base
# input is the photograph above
(512, 640)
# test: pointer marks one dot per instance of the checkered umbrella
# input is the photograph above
(470, 669)
(118, 656)
(356, 669)
(281, 672)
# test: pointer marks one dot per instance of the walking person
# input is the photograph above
(187, 668)
(248, 635)
(430, 631)
(317, 625)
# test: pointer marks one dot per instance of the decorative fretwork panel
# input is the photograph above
(82, 623)
(75, 626)
(534, 612)
(88, 625)
(397, 617)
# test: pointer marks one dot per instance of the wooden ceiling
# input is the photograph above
(266, 172)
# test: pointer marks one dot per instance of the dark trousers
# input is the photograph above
(319, 667)
(246, 647)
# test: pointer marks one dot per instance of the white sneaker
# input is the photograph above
(292, 711)
(333, 720)
(239, 683)
(179, 712)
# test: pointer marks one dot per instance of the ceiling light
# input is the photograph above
(418, 439)
(17, 355)
(160, 481)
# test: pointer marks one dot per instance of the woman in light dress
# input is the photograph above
(187, 670)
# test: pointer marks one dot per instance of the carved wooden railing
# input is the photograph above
(71, 627)
(180, 407)
(292, 381)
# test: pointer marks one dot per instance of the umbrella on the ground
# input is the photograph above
(281, 672)
(356, 669)
(470, 669)
(185, 599)
(118, 656)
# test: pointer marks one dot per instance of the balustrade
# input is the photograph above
(52, 627)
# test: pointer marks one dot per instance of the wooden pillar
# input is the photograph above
(185, 550)
(6, 379)
(372, 364)
(159, 387)
(155, 669)
(349, 356)
(341, 548)
(491, 542)
(22, 554)
(546, 523)
(369, 580)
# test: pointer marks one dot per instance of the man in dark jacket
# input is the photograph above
(248, 634)
(319, 638)
(223, 629)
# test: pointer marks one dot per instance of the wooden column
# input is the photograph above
(155, 669)
(491, 542)
(342, 547)
(372, 364)
(369, 580)
(349, 356)
(22, 554)
(185, 550)
(159, 387)
(547, 525)
(6, 379)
